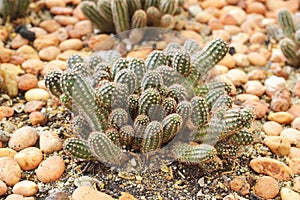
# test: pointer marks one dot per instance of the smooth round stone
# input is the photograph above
(257, 74)
(18, 41)
(37, 94)
(27, 52)
(294, 165)
(240, 185)
(272, 128)
(46, 41)
(29, 158)
(71, 44)
(37, 117)
(272, 185)
(18, 197)
(87, 193)
(278, 145)
(294, 153)
(32, 106)
(274, 84)
(292, 135)
(57, 10)
(237, 76)
(50, 25)
(49, 53)
(65, 20)
(228, 61)
(62, 34)
(57, 65)
(33, 66)
(50, 169)
(258, 38)
(257, 59)
(296, 183)
(22, 138)
(288, 194)
(10, 171)
(57, 195)
(7, 152)
(27, 82)
(6, 111)
(54, 3)
(241, 60)
(3, 188)
(240, 38)
(50, 142)
(255, 88)
(281, 117)
(85, 27)
(25, 188)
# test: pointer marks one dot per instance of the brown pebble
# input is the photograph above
(272, 128)
(37, 94)
(38, 31)
(3, 34)
(271, 167)
(288, 194)
(77, 12)
(50, 25)
(37, 117)
(281, 117)
(49, 53)
(255, 88)
(65, 20)
(57, 65)
(228, 61)
(257, 74)
(18, 41)
(71, 44)
(85, 27)
(215, 24)
(29, 158)
(294, 153)
(58, 195)
(241, 60)
(87, 193)
(22, 138)
(46, 41)
(27, 82)
(27, 52)
(62, 34)
(237, 76)
(50, 169)
(258, 38)
(256, 7)
(281, 100)
(34, 105)
(50, 142)
(240, 185)
(6, 111)
(278, 145)
(10, 171)
(294, 110)
(294, 165)
(292, 135)
(296, 123)
(33, 66)
(100, 42)
(7, 152)
(57, 10)
(127, 196)
(3, 188)
(25, 188)
(6, 54)
(296, 183)
(143, 53)
(257, 59)
(271, 184)
(54, 3)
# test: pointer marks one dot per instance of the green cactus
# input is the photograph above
(155, 59)
(289, 49)
(128, 78)
(104, 8)
(191, 46)
(139, 19)
(11, 9)
(152, 79)
(171, 125)
(147, 99)
(52, 82)
(121, 16)
(153, 137)
(286, 22)
(182, 63)
(78, 148)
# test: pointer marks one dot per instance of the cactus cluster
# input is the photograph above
(157, 105)
(288, 36)
(10, 9)
(121, 15)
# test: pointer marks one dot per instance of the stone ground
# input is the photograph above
(34, 124)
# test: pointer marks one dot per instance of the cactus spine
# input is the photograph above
(121, 18)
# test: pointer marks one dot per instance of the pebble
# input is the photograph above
(61, 33)
(272, 128)
(57, 65)
(33, 66)
(292, 135)
(143, 53)
(34, 105)
(37, 94)
(88, 193)
(281, 117)
(50, 142)
(296, 89)
(38, 117)
(45, 41)
(258, 38)
(271, 167)
(294, 153)
(6, 54)
(27, 82)
(3, 188)
(57, 195)
(257, 59)
(7, 152)
(240, 185)
(241, 60)
(25, 188)
(38, 31)
(18, 41)
(234, 16)
(288, 194)
(246, 98)
(18, 197)
(100, 42)
(274, 84)
(71, 44)
(278, 145)
(77, 12)
(50, 169)
(241, 38)
(294, 165)
(192, 35)
(281, 100)
(10, 171)
(54, 3)
(27, 52)
(58, 10)
(294, 110)
(84, 27)
(261, 108)
(29, 158)
(215, 24)
(272, 187)
(296, 184)
(255, 88)
(6, 111)
(65, 20)
(127, 196)
(232, 29)
(3, 34)
(50, 25)
(237, 77)
(203, 17)
(22, 138)
(49, 53)
(228, 61)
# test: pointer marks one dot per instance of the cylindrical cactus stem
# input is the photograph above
(182, 63)
(297, 37)
(204, 89)
(126, 135)
(169, 75)
(242, 137)
(7, 9)
(113, 135)
(286, 22)
(105, 10)
(191, 46)
(77, 148)
(209, 56)
(289, 50)
(118, 118)
(120, 64)
(194, 154)
(224, 101)
(89, 9)
(128, 78)
(149, 3)
(92, 62)
(147, 99)
(153, 16)
(52, 82)
(199, 115)
(167, 21)
(156, 59)
(139, 125)
(169, 104)
(139, 19)
(110, 56)
(275, 32)
(178, 92)
(171, 126)
(213, 95)
(184, 109)
(168, 6)
(137, 65)
(74, 59)
(152, 79)
(227, 150)
(152, 138)
(133, 105)
(133, 5)
(104, 149)
(81, 127)
(120, 15)
(21, 7)
(100, 76)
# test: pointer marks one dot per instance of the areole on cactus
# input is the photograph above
(152, 106)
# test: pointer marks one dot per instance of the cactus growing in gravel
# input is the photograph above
(159, 105)
(13, 8)
(121, 15)
(288, 36)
